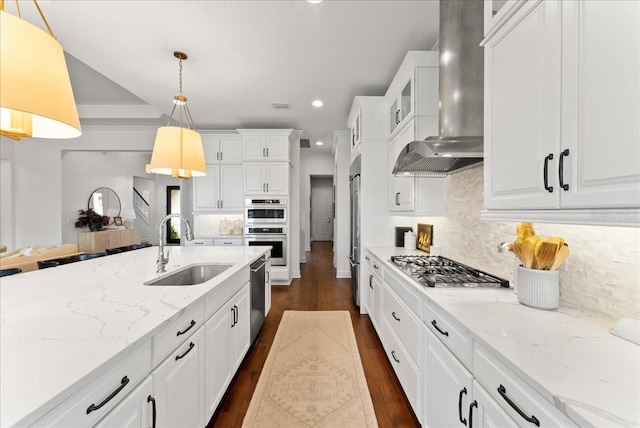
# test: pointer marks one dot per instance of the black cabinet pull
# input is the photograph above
(462, 391)
(393, 314)
(233, 319)
(123, 383)
(393, 354)
(397, 117)
(235, 315)
(371, 282)
(152, 400)
(546, 173)
(398, 198)
(445, 333)
(503, 392)
(367, 257)
(191, 345)
(267, 151)
(564, 153)
(180, 333)
(376, 267)
(471, 406)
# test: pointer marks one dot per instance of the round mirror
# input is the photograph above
(105, 201)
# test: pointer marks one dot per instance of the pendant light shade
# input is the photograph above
(178, 150)
(36, 98)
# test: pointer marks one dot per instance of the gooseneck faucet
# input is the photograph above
(162, 259)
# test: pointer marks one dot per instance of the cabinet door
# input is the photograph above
(240, 326)
(254, 148)
(231, 194)
(601, 104)
(484, 412)
(277, 147)
(218, 369)
(231, 151)
(522, 110)
(178, 385)
(206, 190)
(277, 178)
(135, 411)
(254, 178)
(402, 188)
(447, 389)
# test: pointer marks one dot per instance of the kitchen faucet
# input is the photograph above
(162, 259)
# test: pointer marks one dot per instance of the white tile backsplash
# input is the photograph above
(208, 225)
(603, 271)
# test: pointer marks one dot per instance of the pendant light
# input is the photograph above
(36, 98)
(178, 150)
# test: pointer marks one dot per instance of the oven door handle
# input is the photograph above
(265, 236)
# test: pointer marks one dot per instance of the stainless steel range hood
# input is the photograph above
(460, 143)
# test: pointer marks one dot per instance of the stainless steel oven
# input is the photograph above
(269, 235)
(263, 211)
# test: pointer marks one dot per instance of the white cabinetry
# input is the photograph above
(223, 149)
(137, 410)
(366, 122)
(266, 147)
(266, 178)
(562, 99)
(240, 326)
(178, 385)
(373, 275)
(219, 190)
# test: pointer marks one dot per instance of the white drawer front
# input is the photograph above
(406, 292)
(228, 242)
(95, 400)
(405, 324)
(373, 263)
(452, 334)
(176, 332)
(407, 373)
(513, 393)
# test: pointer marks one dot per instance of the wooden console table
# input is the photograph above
(98, 242)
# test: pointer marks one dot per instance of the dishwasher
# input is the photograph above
(257, 293)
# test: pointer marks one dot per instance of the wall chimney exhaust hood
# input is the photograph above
(461, 78)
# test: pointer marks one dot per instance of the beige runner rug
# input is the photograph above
(313, 376)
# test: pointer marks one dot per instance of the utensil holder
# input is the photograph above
(538, 289)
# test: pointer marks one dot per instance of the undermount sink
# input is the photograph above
(191, 275)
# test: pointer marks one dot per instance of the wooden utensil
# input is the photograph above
(561, 256)
(527, 254)
(516, 247)
(545, 255)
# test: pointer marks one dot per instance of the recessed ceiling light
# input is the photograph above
(317, 103)
(315, 1)
(319, 143)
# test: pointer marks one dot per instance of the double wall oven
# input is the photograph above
(266, 225)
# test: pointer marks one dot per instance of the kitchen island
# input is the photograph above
(564, 364)
(63, 328)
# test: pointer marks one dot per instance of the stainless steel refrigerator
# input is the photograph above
(354, 254)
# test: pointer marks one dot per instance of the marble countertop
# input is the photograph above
(59, 325)
(569, 357)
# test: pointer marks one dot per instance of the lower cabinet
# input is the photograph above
(485, 412)
(240, 326)
(137, 410)
(178, 385)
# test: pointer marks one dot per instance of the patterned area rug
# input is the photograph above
(313, 376)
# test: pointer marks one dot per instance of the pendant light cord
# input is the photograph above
(19, 15)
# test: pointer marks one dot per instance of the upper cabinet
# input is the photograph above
(222, 148)
(562, 101)
(496, 12)
(413, 91)
(364, 122)
(266, 145)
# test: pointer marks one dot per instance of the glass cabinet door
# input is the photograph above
(405, 108)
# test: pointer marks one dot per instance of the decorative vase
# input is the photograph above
(95, 226)
(538, 288)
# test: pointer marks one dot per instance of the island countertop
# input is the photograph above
(568, 356)
(60, 325)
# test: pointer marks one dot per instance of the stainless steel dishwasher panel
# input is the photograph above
(257, 293)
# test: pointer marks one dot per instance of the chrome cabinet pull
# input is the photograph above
(180, 333)
(532, 419)
(546, 173)
(191, 345)
(462, 391)
(444, 333)
(123, 383)
(564, 153)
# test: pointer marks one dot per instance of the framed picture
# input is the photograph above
(424, 239)
(117, 221)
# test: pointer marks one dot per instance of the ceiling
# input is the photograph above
(243, 56)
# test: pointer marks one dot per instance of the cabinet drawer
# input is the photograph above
(221, 294)
(176, 332)
(503, 386)
(404, 323)
(228, 241)
(405, 291)
(407, 373)
(93, 402)
(452, 334)
(199, 242)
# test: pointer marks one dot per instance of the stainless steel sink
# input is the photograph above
(191, 275)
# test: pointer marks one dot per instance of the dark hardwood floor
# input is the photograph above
(318, 290)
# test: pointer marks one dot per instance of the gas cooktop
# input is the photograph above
(440, 272)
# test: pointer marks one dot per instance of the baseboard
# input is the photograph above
(343, 274)
(295, 274)
(303, 259)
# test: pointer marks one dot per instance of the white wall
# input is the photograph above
(311, 163)
(145, 187)
(342, 228)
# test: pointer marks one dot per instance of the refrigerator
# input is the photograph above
(354, 253)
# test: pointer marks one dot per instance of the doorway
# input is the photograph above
(322, 211)
(173, 232)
